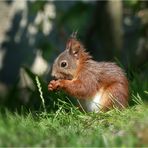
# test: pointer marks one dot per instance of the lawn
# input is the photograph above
(127, 128)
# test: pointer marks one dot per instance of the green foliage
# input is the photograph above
(36, 6)
(131, 3)
(71, 19)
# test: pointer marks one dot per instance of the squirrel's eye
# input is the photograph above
(63, 64)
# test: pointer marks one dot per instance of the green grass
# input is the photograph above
(114, 128)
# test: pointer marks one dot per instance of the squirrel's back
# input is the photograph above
(107, 72)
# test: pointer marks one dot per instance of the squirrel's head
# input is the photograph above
(67, 63)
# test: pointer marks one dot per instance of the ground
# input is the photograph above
(127, 128)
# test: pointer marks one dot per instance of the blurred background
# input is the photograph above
(33, 33)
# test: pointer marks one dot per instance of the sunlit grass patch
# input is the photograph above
(62, 128)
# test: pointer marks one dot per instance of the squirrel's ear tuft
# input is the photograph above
(74, 34)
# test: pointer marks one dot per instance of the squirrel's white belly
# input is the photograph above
(93, 104)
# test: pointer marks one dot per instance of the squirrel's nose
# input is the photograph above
(54, 74)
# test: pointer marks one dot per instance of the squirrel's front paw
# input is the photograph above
(53, 85)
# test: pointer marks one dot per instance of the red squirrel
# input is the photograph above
(97, 85)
